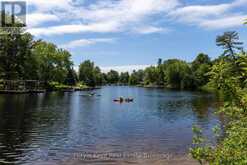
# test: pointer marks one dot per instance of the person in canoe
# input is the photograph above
(129, 100)
(90, 95)
(120, 100)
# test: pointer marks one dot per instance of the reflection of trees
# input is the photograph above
(26, 118)
(201, 106)
(14, 110)
(184, 106)
(204, 107)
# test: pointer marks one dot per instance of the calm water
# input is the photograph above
(56, 126)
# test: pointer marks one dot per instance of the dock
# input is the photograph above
(20, 91)
(21, 87)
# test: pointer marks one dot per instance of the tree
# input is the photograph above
(231, 82)
(71, 78)
(151, 75)
(137, 77)
(124, 78)
(53, 63)
(231, 149)
(160, 70)
(99, 79)
(229, 41)
(15, 53)
(112, 77)
(87, 73)
(201, 75)
(201, 67)
(104, 78)
(178, 74)
(159, 62)
(200, 59)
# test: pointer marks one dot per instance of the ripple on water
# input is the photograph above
(54, 127)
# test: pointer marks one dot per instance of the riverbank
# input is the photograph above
(67, 88)
(35, 86)
(177, 160)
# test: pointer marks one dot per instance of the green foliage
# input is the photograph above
(174, 74)
(23, 58)
(53, 63)
(150, 76)
(80, 85)
(137, 77)
(71, 78)
(112, 77)
(124, 78)
(200, 60)
(201, 66)
(201, 76)
(229, 78)
(15, 54)
(1, 84)
(89, 74)
(229, 42)
(56, 86)
(178, 74)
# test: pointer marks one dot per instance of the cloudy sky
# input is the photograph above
(126, 34)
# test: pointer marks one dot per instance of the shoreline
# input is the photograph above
(174, 160)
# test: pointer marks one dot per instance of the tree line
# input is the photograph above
(172, 73)
(23, 58)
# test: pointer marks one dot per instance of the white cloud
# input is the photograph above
(210, 16)
(104, 27)
(103, 16)
(50, 5)
(36, 19)
(124, 68)
(127, 10)
(195, 13)
(126, 15)
(86, 42)
(121, 68)
(150, 29)
(226, 22)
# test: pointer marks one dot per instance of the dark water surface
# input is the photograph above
(56, 126)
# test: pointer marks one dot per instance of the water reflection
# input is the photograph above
(53, 126)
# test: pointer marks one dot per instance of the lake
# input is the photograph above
(75, 128)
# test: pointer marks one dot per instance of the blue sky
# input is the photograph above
(131, 34)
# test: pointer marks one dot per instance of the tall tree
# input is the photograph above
(200, 68)
(71, 78)
(99, 79)
(112, 77)
(229, 41)
(53, 63)
(124, 78)
(15, 51)
(151, 75)
(137, 77)
(86, 73)
(200, 59)
(178, 74)
(160, 70)
(159, 61)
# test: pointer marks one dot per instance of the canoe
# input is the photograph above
(129, 100)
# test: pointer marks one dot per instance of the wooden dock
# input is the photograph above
(21, 86)
(21, 91)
